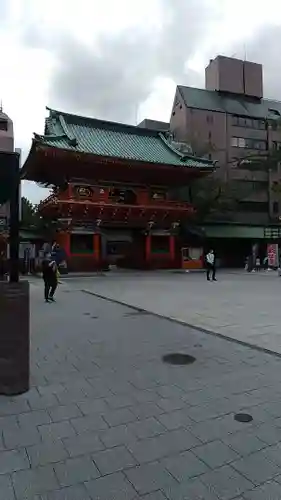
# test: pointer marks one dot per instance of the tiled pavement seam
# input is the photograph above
(142, 449)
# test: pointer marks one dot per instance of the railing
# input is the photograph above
(169, 203)
(152, 203)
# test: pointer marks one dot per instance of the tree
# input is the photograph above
(212, 198)
(215, 198)
(30, 218)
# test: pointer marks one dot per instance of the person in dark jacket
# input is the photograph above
(49, 273)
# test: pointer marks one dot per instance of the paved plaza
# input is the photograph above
(242, 306)
(107, 419)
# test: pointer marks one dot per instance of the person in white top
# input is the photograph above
(211, 265)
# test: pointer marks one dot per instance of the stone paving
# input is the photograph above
(106, 419)
(240, 305)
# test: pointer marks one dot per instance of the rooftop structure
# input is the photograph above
(230, 120)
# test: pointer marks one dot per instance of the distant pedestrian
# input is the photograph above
(50, 277)
(258, 264)
(211, 265)
(265, 263)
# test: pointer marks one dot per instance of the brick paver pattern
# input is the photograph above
(106, 419)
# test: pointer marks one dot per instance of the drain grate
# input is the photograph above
(178, 359)
(243, 417)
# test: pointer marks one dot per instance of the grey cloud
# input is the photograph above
(112, 84)
(4, 12)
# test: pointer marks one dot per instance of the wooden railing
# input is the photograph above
(54, 199)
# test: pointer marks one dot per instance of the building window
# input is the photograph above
(274, 124)
(253, 206)
(242, 121)
(3, 125)
(210, 136)
(276, 145)
(275, 207)
(261, 124)
(256, 144)
(210, 156)
(274, 112)
(210, 119)
(242, 142)
(238, 142)
(81, 244)
(259, 186)
(125, 196)
(157, 195)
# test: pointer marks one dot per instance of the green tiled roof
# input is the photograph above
(232, 104)
(115, 140)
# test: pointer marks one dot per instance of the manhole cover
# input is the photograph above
(178, 359)
(243, 417)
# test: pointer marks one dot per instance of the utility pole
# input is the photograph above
(14, 219)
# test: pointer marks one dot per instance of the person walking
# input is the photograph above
(258, 264)
(49, 273)
(211, 265)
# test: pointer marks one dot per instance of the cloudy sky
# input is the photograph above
(121, 59)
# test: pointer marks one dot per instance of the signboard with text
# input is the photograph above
(272, 254)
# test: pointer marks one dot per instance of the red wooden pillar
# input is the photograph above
(147, 248)
(172, 247)
(97, 248)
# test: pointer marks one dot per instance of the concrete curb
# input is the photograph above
(183, 323)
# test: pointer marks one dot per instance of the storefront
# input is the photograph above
(233, 243)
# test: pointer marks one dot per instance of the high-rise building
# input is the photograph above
(229, 120)
(6, 144)
(6, 132)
